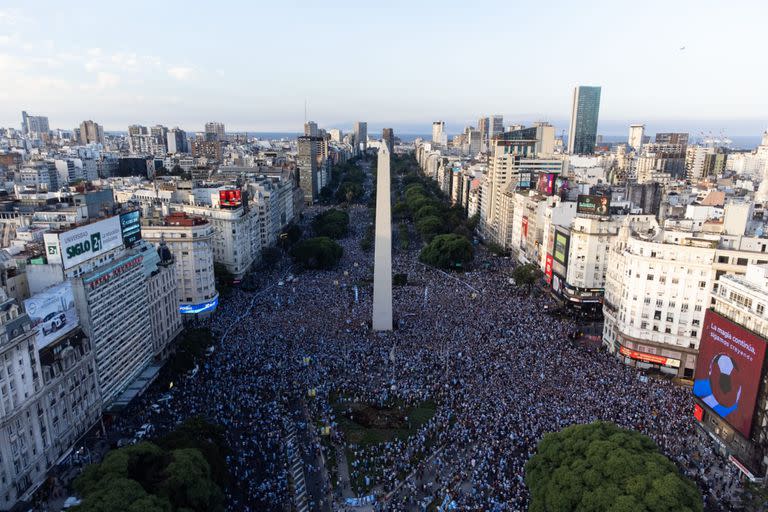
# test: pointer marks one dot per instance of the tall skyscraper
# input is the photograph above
(91, 132)
(361, 135)
(177, 141)
(34, 126)
(336, 135)
(636, 134)
(310, 128)
(309, 162)
(214, 131)
(438, 133)
(388, 136)
(482, 127)
(496, 126)
(584, 112)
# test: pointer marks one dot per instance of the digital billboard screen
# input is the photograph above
(230, 198)
(561, 247)
(52, 312)
(204, 307)
(546, 183)
(728, 370)
(593, 205)
(130, 225)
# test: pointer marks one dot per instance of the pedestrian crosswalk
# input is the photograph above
(296, 469)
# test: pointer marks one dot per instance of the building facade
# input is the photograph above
(585, 110)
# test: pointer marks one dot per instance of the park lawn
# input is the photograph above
(364, 436)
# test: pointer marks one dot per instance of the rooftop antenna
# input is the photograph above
(305, 110)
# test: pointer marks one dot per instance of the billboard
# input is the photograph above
(230, 198)
(81, 244)
(130, 226)
(593, 205)
(546, 184)
(524, 180)
(649, 358)
(525, 228)
(203, 307)
(728, 370)
(548, 268)
(561, 247)
(52, 312)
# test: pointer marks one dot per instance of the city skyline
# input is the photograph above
(147, 70)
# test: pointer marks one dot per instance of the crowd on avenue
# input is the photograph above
(501, 371)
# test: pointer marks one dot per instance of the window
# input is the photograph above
(657, 315)
(722, 259)
(697, 307)
(647, 301)
(649, 277)
(684, 308)
(659, 303)
(760, 309)
(702, 284)
(694, 334)
(742, 261)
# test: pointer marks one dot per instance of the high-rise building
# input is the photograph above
(177, 141)
(636, 134)
(388, 136)
(585, 109)
(495, 126)
(91, 132)
(336, 135)
(438, 133)
(189, 239)
(112, 306)
(474, 142)
(733, 344)
(210, 149)
(39, 421)
(310, 163)
(361, 136)
(483, 128)
(310, 128)
(672, 138)
(34, 126)
(214, 131)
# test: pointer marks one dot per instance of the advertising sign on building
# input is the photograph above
(649, 358)
(130, 227)
(52, 312)
(548, 268)
(525, 228)
(191, 309)
(230, 198)
(593, 205)
(81, 244)
(561, 247)
(728, 370)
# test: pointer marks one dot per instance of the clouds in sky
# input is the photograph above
(254, 64)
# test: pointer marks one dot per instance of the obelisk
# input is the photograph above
(382, 257)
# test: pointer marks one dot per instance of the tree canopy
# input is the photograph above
(527, 275)
(601, 467)
(447, 251)
(317, 253)
(147, 478)
(332, 223)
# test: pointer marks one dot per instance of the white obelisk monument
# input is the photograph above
(382, 258)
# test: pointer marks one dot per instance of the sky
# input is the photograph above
(673, 65)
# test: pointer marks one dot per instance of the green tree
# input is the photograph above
(601, 467)
(430, 226)
(188, 482)
(208, 439)
(527, 275)
(447, 251)
(317, 253)
(332, 223)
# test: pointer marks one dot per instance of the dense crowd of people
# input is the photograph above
(500, 370)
